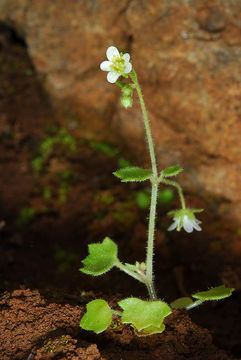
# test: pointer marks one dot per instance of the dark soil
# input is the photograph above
(51, 215)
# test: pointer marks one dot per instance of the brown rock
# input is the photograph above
(187, 55)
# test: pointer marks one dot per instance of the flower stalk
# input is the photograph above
(154, 190)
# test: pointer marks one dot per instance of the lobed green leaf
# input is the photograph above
(216, 293)
(98, 316)
(181, 303)
(101, 257)
(171, 171)
(146, 316)
(133, 173)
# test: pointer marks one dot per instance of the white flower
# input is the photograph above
(117, 64)
(185, 218)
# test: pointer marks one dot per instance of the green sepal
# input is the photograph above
(125, 75)
(101, 257)
(120, 84)
(134, 74)
(145, 316)
(216, 293)
(126, 101)
(181, 303)
(133, 173)
(98, 316)
(171, 171)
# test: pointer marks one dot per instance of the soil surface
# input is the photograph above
(57, 195)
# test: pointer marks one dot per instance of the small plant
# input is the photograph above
(47, 146)
(146, 317)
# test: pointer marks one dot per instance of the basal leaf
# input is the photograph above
(98, 316)
(146, 316)
(150, 330)
(216, 293)
(133, 173)
(181, 303)
(171, 171)
(101, 257)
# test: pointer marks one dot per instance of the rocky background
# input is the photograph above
(187, 54)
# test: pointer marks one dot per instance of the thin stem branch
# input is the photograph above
(179, 189)
(124, 268)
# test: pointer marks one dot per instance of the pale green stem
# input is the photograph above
(150, 243)
(154, 189)
(124, 268)
(146, 123)
(179, 189)
(195, 304)
(116, 312)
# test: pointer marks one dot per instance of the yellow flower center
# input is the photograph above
(118, 64)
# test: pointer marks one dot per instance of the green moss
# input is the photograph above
(47, 145)
(108, 149)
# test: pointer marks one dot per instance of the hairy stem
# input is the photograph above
(179, 189)
(154, 189)
(124, 268)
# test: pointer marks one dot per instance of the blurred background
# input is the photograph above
(63, 133)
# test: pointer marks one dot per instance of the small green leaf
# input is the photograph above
(145, 316)
(171, 171)
(98, 316)
(217, 293)
(133, 173)
(181, 303)
(101, 257)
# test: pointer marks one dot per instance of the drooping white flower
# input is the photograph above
(186, 219)
(116, 65)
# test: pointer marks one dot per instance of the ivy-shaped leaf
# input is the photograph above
(181, 303)
(98, 316)
(216, 293)
(146, 316)
(101, 257)
(171, 171)
(133, 173)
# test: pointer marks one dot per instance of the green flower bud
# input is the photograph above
(126, 102)
(127, 90)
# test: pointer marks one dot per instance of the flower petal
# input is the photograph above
(126, 57)
(112, 76)
(196, 226)
(105, 65)
(173, 226)
(187, 224)
(112, 51)
(128, 67)
(178, 220)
